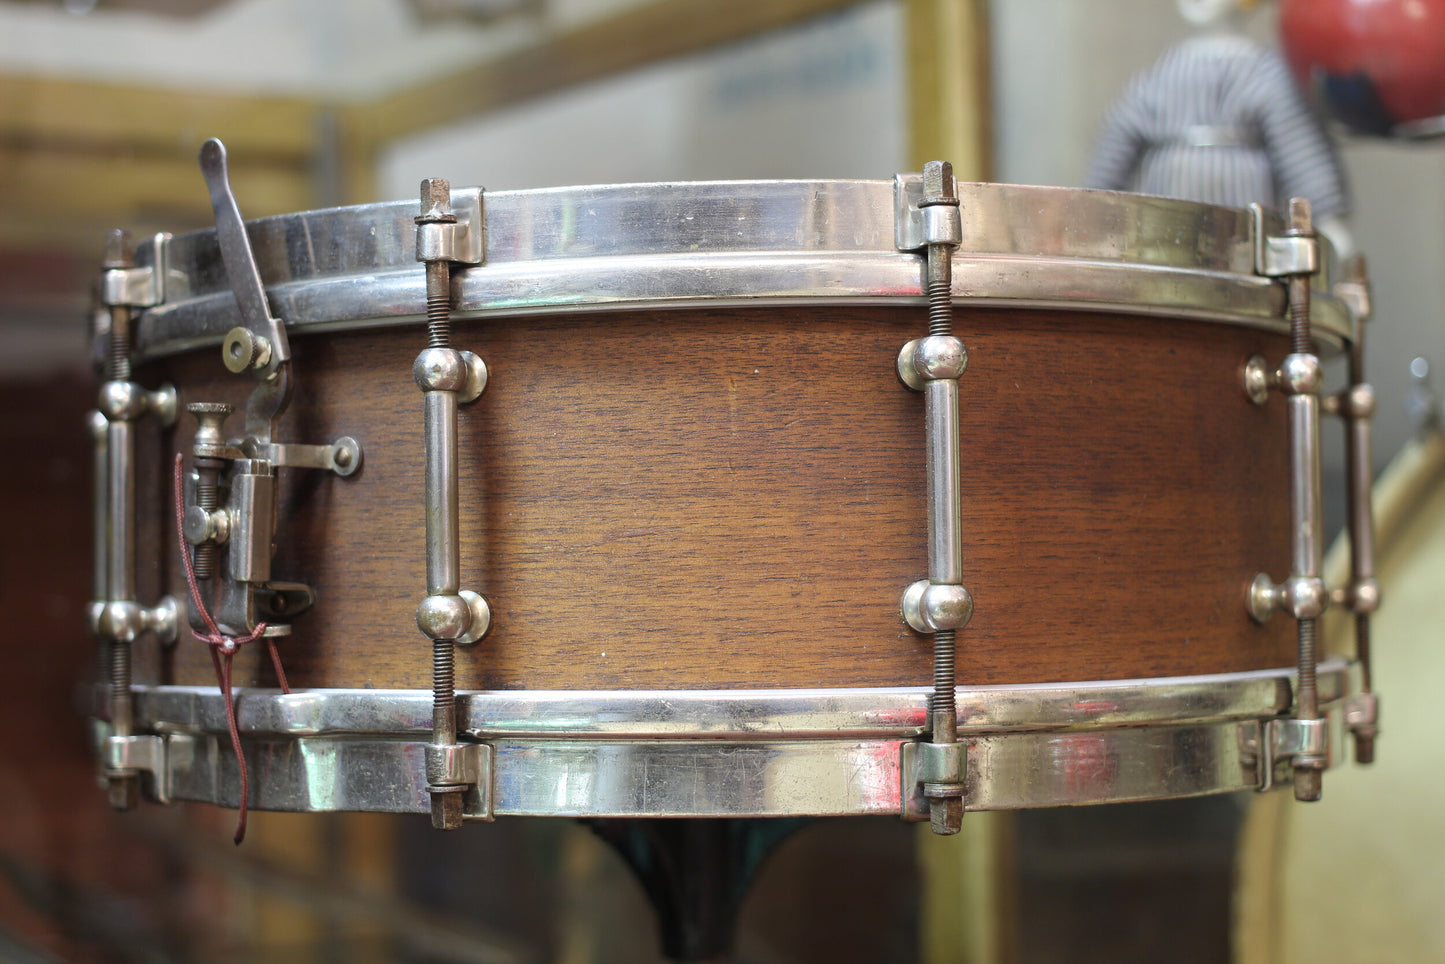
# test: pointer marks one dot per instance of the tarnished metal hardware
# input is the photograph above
(342, 456)
(758, 753)
(263, 327)
(119, 619)
(461, 774)
(133, 755)
(740, 715)
(454, 231)
(100, 514)
(927, 219)
(231, 505)
(820, 242)
(463, 618)
(447, 377)
(210, 439)
(244, 523)
(926, 208)
(125, 285)
(242, 351)
(155, 758)
(1302, 744)
(1293, 259)
(1356, 406)
(1303, 597)
(929, 606)
(1281, 257)
(124, 621)
(934, 784)
(204, 525)
(253, 505)
(1362, 718)
(1257, 378)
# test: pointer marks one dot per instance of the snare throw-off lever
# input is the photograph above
(243, 470)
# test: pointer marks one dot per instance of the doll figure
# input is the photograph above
(1218, 119)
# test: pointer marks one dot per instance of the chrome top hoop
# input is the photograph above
(761, 242)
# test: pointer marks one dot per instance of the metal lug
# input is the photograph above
(928, 607)
(933, 774)
(921, 218)
(1295, 738)
(1303, 597)
(463, 617)
(929, 359)
(1282, 744)
(1281, 256)
(137, 287)
(124, 620)
(461, 241)
(459, 779)
(124, 757)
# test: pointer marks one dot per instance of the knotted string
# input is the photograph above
(223, 650)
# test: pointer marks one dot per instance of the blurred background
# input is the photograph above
(103, 106)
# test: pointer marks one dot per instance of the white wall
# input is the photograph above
(821, 100)
(337, 49)
(1059, 63)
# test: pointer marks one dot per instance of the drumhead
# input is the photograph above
(711, 243)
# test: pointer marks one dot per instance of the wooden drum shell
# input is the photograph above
(733, 497)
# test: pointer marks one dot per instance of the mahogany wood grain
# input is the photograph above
(735, 498)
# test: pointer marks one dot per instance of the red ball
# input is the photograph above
(1377, 63)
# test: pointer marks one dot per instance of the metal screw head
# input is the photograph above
(210, 418)
(938, 182)
(243, 350)
(1255, 378)
(436, 200)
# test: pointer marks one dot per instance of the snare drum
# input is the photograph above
(693, 492)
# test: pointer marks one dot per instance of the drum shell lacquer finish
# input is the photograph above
(733, 498)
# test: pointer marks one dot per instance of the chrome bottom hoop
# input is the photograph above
(732, 753)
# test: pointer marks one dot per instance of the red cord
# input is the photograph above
(223, 649)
